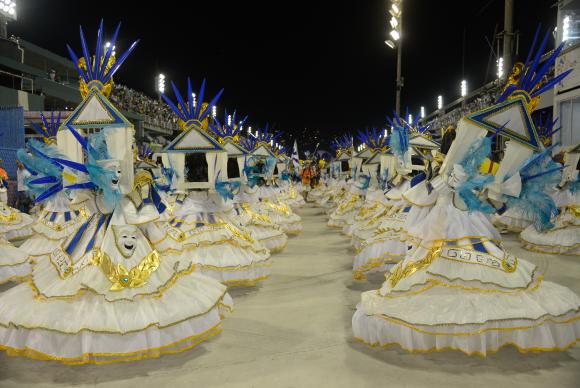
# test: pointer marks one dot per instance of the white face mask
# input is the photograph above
(126, 240)
(457, 176)
(113, 165)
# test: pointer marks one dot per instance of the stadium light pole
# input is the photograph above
(439, 102)
(395, 41)
(500, 71)
(160, 84)
(7, 13)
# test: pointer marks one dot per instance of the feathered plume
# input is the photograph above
(546, 129)
(365, 182)
(375, 140)
(97, 67)
(399, 141)
(531, 79)
(49, 128)
(539, 175)
(345, 142)
(144, 152)
(475, 181)
(224, 188)
(249, 143)
(252, 173)
(188, 111)
(46, 179)
(230, 127)
(99, 175)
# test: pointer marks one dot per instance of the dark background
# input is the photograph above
(318, 65)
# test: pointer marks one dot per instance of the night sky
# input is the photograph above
(316, 64)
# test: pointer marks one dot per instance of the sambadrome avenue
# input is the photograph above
(330, 193)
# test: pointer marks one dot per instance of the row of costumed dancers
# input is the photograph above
(130, 252)
(426, 220)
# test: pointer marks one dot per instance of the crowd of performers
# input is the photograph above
(128, 253)
(431, 222)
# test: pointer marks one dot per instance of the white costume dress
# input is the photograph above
(260, 226)
(459, 289)
(219, 248)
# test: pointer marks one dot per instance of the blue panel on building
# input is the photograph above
(11, 137)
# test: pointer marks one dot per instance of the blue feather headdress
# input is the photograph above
(250, 142)
(98, 69)
(264, 137)
(230, 129)
(530, 82)
(375, 140)
(190, 112)
(49, 129)
(546, 129)
(267, 137)
(144, 152)
(342, 144)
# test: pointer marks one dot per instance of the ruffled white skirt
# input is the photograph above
(89, 328)
(14, 264)
(460, 290)
(563, 239)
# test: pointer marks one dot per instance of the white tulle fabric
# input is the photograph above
(218, 247)
(14, 225)
(432, 303)
(564, 237)
(81, 318)
(14, 265)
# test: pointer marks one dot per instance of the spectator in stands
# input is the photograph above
(156, 112)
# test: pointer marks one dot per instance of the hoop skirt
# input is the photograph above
(372, 208)
(14, 225)
(14, 265)
(105, 295)
(460, 290)
(57, 221)
(259, 226)
(279, 212)
(219, 249)
(395, 234)
(346, 209)
(513, 220)
(564, 237)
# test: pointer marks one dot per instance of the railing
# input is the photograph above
(22, 78)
